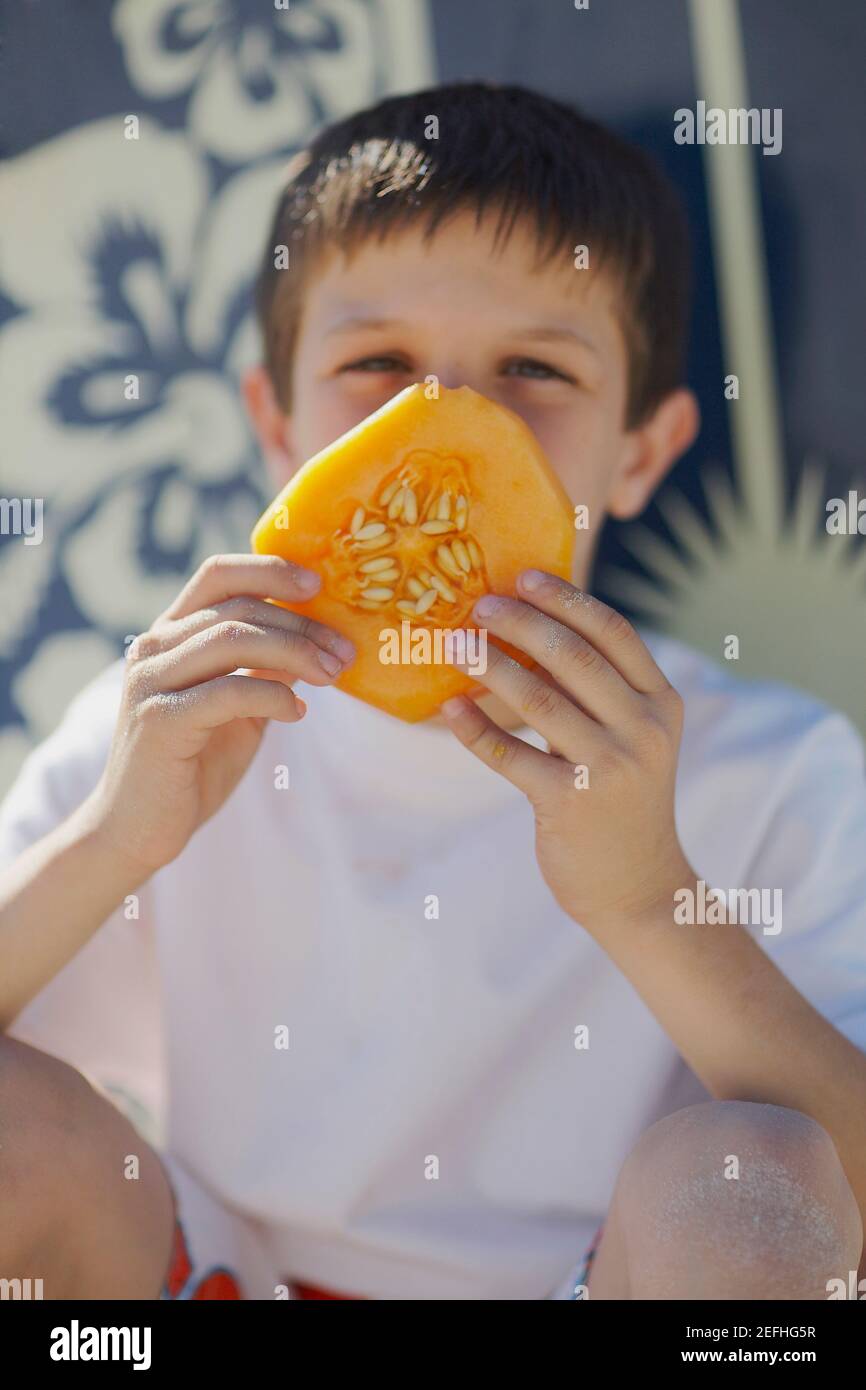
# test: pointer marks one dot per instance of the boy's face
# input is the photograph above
(546, 342)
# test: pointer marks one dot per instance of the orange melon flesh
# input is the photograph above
(460, 460)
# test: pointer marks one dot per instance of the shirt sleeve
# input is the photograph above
(101, 1012)
(812, 858)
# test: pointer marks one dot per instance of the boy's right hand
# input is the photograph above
(192, 714)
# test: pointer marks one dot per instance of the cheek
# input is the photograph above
(581, 456)
(321, 413)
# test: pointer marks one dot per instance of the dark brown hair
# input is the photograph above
(502, 149)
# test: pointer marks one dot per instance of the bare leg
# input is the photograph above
(68, 1213)
(729, 1200)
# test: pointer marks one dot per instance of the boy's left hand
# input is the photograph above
(610, 851)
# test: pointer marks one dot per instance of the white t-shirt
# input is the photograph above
(432, 1130)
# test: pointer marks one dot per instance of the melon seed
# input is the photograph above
(375, 543)
(410, 506)
(448, 563)
(461, 555)
(426, 601)
(388, 492)
(442, 588)
(381, 562)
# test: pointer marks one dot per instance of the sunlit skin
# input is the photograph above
(547, 343)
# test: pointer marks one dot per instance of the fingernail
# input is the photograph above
(531, 579)
(301, 706)
(332, 664)
(343, 647)
(486, 606)
(306, 580)
(453, 707)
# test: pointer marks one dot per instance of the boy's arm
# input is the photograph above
(198, 689)
(53, 897)
(743, 1028)
(102, 1012)
(607, 844)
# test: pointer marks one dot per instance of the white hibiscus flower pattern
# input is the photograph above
(260, 77)
(125, 324)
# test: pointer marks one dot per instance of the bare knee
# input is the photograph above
(66, 1204)
(737, 1196)
(46, 1114)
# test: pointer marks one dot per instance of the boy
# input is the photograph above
(362, 1100)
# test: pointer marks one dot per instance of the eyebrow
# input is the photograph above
(542, 334)
(557, 335)
(356, 321)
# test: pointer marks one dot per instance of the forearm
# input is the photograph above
(743, 1028)
(53, 898)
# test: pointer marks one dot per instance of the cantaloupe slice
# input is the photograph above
(410, 517)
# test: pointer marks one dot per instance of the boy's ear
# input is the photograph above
(272, 426)
(651, 450)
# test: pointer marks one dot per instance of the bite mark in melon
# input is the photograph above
(409, 518)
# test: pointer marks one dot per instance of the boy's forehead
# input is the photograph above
(408, 273)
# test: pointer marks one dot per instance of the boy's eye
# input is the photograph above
(530, 367)
(527, 367)
(375, 364)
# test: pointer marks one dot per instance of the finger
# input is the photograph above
(230, 697)
(224, 576)
(608, 631)
(231, 646)
(538, 703)
(527, 768)
(577, 667)
(167, 634)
